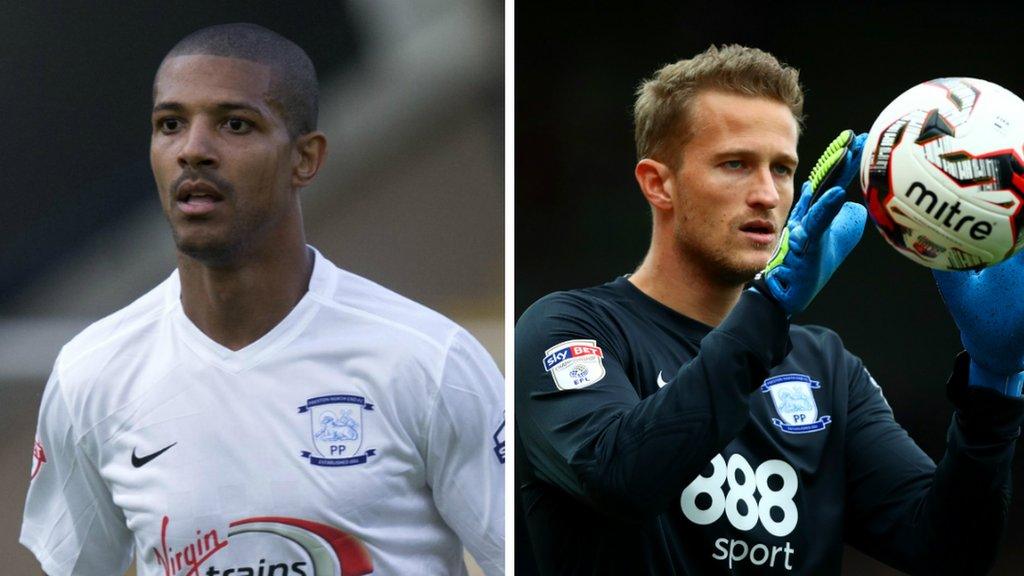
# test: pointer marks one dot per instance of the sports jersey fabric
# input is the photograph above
(362, 434)
(654, 444)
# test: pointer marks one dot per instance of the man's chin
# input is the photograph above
(208, 251)
(731, 265)
(739, 276)
(741, 272)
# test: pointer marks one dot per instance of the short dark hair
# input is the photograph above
(293, 86)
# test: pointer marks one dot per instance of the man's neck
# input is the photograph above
(685, 288)
(236, 305)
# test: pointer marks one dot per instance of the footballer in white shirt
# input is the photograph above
(261, 412)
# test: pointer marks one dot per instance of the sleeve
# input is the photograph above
(70, 523)
(466, 451)
(914, 515)
(601, 443)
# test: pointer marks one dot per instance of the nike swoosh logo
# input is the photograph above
(140, 462)
(661, 381)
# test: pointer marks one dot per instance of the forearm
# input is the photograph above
(961, 518)
(970, 497)
(640, 463)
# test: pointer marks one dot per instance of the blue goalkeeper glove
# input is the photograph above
(987, 308)
(822, 229)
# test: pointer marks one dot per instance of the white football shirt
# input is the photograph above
(363, 434)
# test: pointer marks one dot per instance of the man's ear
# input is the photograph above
(656, 182)
(310, 152)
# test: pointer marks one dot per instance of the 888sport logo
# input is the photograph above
(746, 497)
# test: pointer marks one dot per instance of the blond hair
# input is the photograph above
(662, 112)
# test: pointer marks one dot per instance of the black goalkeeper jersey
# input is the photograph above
(653, 444)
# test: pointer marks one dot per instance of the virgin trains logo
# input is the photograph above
(324, 550)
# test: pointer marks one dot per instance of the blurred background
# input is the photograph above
(411, 195)
(581, 220)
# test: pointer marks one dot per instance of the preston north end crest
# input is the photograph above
(574, 364)
(337, 427)
(794, 401)
(499, 441)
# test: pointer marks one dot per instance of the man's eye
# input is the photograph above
(238, 125)
(168, 124)
(733, 164)
(782, 170)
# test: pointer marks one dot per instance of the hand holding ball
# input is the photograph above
(943, 174)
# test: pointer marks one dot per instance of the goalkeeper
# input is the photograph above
(674, 421)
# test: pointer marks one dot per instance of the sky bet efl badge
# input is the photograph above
(794, 401)
(574, 364)
(336, 422)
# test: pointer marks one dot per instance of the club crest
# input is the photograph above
(793, 397)
(499, 441)
(574, 364)
(337, 428)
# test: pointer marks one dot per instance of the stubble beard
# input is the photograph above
(209, 253)
(215, 248)
(716, 263)
(221, 250)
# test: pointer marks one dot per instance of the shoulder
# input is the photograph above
(587, 307)
(89, 371)
(591, 322)
(89, 349)
(566, 300)
(386, 320)
(422, 352)
(560, 316)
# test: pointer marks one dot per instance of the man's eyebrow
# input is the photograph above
(219, 107)
(795, 161)
(231, 106)
(746, 152)
(172, 106)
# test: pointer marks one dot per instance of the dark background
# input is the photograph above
(580, 219)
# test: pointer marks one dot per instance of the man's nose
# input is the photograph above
(764, 192)
(198, 149)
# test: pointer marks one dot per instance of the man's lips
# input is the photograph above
(759, 230)
(195, 197)
(200, 188)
